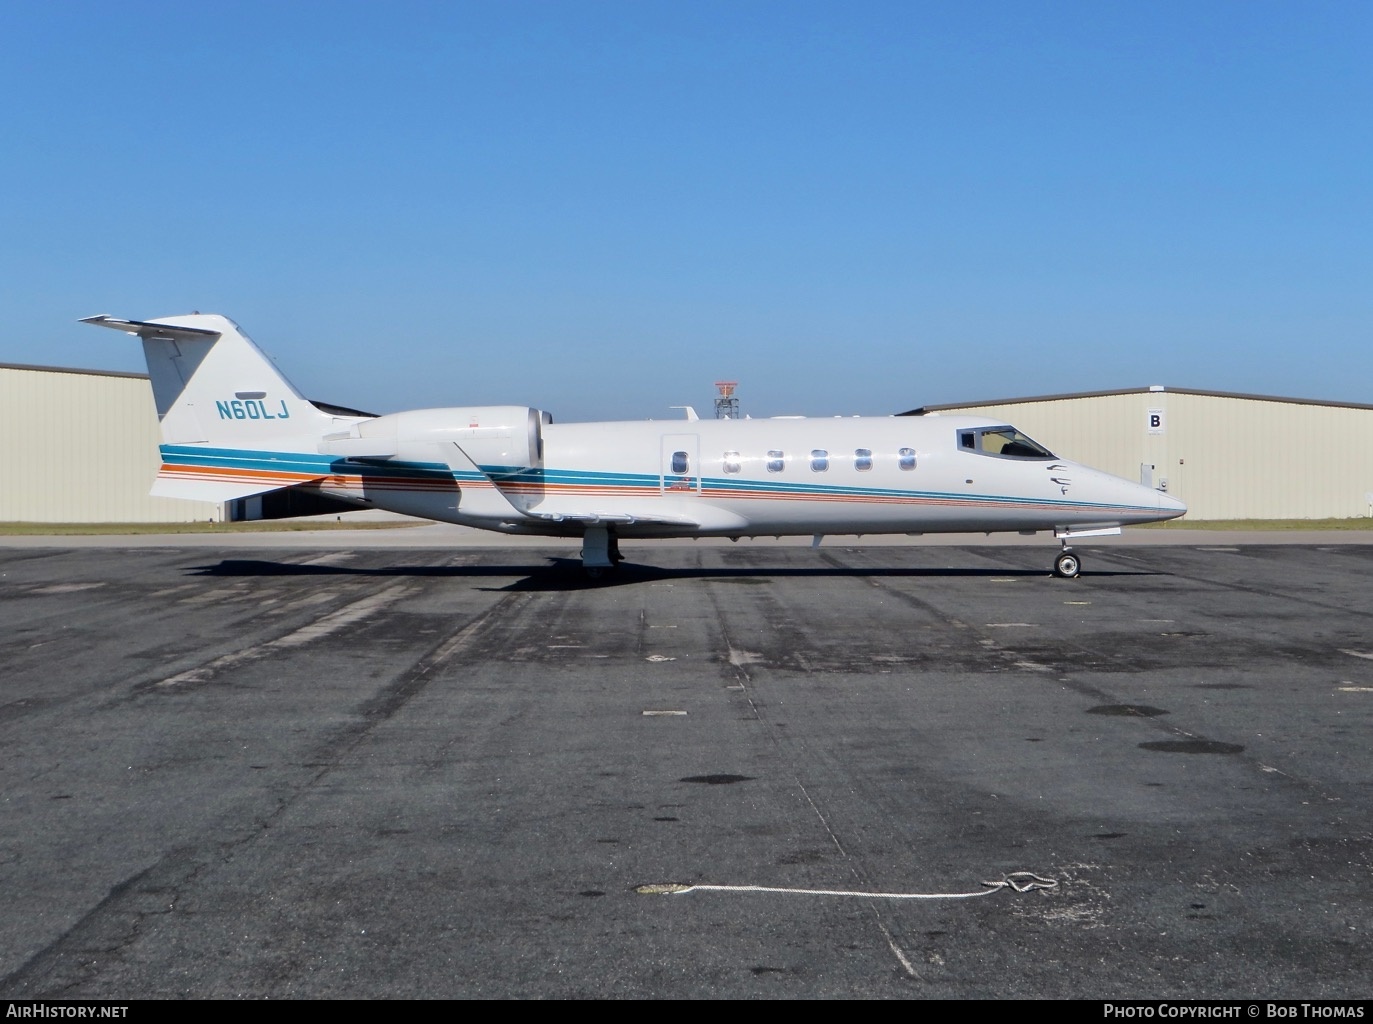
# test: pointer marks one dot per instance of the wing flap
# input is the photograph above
(612, 518)
(703, 518)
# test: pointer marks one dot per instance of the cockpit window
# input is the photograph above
(1006, 442)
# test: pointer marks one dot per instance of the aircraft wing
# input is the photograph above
(482, 497)
(694, 516)
(612, 518)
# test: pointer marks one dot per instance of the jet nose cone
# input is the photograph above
(1170, 506)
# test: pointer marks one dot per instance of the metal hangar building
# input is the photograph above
(82, 446)
(1228, 456)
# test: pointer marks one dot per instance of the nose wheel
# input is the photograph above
(1067, 566)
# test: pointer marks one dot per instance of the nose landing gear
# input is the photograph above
(1067, 566)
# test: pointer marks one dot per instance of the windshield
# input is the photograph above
(1006, 442)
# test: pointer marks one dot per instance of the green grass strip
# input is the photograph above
(1361, 523)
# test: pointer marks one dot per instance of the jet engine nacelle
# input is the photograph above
(491, 435)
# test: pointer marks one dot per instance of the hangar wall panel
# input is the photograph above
(1228, 457)
(81, 447)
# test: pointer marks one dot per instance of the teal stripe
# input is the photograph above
(322, 465)
(301, 462)
(775, 488)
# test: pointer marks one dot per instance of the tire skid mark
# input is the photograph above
(1280, 595)
(99, 603)
(76, 956)
(1066, 680)
(738, 659)
(115, 923)
(320, 628)
(993, 644)
(329, 558)
(394, 696)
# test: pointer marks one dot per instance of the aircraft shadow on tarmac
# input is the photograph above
(567, 573)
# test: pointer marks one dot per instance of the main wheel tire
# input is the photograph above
(1067, 566)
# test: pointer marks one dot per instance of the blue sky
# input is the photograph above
(600, 208)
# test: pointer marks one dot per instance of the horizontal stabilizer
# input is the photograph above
(213, 386)
(145, 329)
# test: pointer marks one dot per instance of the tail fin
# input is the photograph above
(232, 425)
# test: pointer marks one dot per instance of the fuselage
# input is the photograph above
(233, 427)
(852, 475)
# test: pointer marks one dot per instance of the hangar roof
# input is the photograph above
(329, 407)
(950, 406)
(71, 369)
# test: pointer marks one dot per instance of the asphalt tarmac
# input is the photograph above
(314, 771)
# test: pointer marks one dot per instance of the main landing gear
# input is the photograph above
(600, 551)
(1067, 566)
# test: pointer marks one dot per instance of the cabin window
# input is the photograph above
(776, 461)
(732, 463)
(862, 459)
(1003, 442)
(819, 460)
(905, 458)
(680, 463)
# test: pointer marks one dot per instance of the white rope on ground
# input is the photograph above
(1019, 881)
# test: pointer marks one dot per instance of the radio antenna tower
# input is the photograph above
(726, 405)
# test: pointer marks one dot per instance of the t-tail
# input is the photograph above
(232, 425)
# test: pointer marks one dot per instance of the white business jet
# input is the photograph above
(233, 427)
